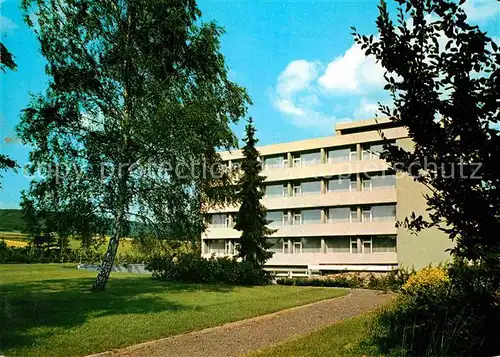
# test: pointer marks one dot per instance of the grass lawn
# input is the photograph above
(340, 340)
(48, 310)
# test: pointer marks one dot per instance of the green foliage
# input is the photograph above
(443, 75)
(251, 217)
(192, 268)
(436, 314)
(137, 104)
(6, 61)
(392, 281)
(11, 220)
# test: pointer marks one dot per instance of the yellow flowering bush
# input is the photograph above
(425, 280)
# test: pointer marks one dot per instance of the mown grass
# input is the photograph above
(48, 310)
(344, 339)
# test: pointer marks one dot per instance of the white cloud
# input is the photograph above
(366, 109)
(296, 77)
(287, 107)
(481, 10)
(352, 72)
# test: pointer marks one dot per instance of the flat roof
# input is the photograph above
(362, 123)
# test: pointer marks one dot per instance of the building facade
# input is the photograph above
(335, 204)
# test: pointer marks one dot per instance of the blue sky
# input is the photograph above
(296, 58)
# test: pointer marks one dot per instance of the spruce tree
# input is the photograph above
(251, 217)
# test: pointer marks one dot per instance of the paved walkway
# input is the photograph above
(241, 337)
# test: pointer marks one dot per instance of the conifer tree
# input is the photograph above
(251, 217)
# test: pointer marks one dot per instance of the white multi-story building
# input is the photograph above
(334, 204)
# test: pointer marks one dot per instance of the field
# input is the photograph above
(17, 239)
(48, 310)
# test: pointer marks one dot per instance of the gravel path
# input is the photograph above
(241, 337)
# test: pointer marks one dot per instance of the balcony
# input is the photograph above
(325, 170)
(315, 230)
(329, 199)
(319, 260)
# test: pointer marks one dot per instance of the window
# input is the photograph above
(310, 188)
(353, 155)
(273, 162)
(311, 245)
(296, 162)
(312, 158)
(384, 213)
(236, 248)
(354, 186)
(340, 184)
(297, 190)
(366, 246)
(285, 247)
(384, 244)
(285, 163)
(227, 247)
(353, 216)
(339, 155)
(285, 190)
(275, 245)
(274, 191)
(383, 181)
(367, 185)
(367, 215)
(339, 215)
(372, 151)
(354, 245)
(216, 246)
(297, 218)
(337, 245)
(219, 221)
(311, 216)
(275, 218)
(297, 247)
(286, 221)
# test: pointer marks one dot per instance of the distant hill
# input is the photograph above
(11, 220)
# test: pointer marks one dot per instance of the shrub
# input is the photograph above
(391, 281)
(426, 281)
(192, 268)
(442, 312)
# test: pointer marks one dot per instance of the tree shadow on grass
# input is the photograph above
(66, 303)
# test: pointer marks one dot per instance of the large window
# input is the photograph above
(273, 162)
(372, 151)
(216, 246)
(311, 245)
(276, 191)
(341, 184)
(342, 154)
(378, 181)
(310, 188)
(219, 220)
(337, 245)
(276, 218)
(384, 213)
(339, 215)
(276, 245)
(311, 158)
(384, 244)
(311, 216)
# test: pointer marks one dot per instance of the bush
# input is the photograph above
(393, 280)
(442, 312)
(192, 268)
